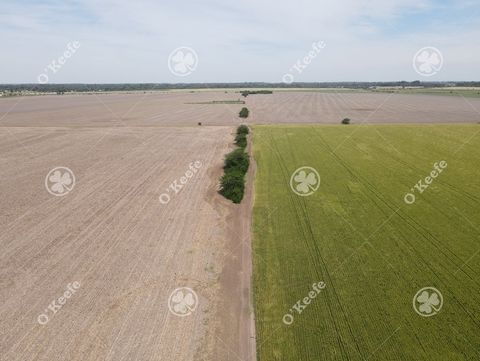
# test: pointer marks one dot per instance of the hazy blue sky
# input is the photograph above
(247, 40)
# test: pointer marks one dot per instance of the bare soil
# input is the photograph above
(236, 339)
(175, 109)
(111, 234)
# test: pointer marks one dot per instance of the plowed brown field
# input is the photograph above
(113, 236)
(185, 108)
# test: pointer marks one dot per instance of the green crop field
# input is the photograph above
(373, 250)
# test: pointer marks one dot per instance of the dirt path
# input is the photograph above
(236, 336)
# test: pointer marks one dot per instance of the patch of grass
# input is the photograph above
(373, 251)
(232, 183)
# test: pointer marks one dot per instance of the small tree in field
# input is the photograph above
(243, 113)
(242, 129)
(346, 121)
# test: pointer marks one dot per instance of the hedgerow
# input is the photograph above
(241, 140)
(232, 183)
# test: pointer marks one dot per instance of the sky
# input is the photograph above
(135, 41)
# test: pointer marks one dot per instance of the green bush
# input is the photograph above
(243, 129)
(346, 121)
(243, 113)
(237, 160)
(241, 140)
(233, 185)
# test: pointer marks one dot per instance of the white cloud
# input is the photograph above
(129, 41)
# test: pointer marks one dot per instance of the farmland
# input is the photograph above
(372, 250)
(125, 235)
(217, 108)
(446, 91)
(144, 218)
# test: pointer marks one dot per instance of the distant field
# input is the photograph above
(214, 108)
(459, 92)
(373, 251)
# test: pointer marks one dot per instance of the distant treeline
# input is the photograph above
(62, 88)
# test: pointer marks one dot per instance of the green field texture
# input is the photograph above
(373, 251)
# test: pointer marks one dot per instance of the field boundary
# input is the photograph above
(238, 341)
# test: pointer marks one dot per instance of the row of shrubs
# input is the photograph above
(246, 93)
(241, 137)
(232, 183)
